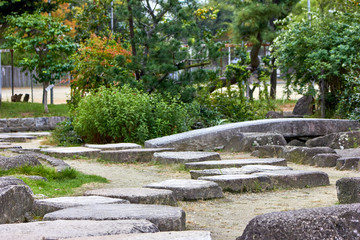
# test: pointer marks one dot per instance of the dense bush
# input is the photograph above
(64, 134)
(128, 115)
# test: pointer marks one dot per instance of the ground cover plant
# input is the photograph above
(23, 110)
(59, 184)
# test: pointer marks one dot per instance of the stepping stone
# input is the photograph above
(184, 157)
(241, 183)
(183, 235)
(326, 159)
(188, 189)
(16, 138)
(44, 206)
(113, 146)
(132, 155)
(137, 195)
(248, 169)
(61, 229)
(296, 179)
(8, 146)
(236, 163)
(166, 218)
(72, 151)
(347, 163)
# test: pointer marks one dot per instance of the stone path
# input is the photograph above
(132, 155)
(72, 152)
(114, 146)
(184, 157)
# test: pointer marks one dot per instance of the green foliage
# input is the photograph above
(60, 183)
(23, 110)
(327, 49)
(128, 115)
(65, 135)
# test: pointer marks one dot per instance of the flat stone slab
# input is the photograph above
(44, 206)
(76, 228)
(183, 235)
(251, 140)
(132, 155)
(8, 146)
(166, 218)
(218, 137)
(304, 155)
(235, 163)
(184, 157)
(35, 134)
(351, 152)
(16, 138)
(137, 195)
(339, 140)
(296, 179)
(188, 189)
(338, 222)
(72, 151)
(326, 159)
(248, 169)
(113, 146)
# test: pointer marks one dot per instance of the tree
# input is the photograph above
(323, 51)
(254, 23)
(47, 46)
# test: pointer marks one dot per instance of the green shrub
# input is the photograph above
(64, 134)
(128, 115)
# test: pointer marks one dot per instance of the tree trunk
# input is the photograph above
(322, 96)
(273, 80)
(254, 54)
(45, 85)
(132, 35)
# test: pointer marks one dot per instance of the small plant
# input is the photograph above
(64, 134)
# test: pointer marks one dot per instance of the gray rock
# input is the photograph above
(188, 189)
(44, 206)
(340, 140)
(304, 106)
(347, 163)
(296, 179)
(53, 121)
(166, 218)
(272, 114)
(248, 169)
(72, 152)
(326, 159)
(235, 163)
(137, 195)
(183, 235)
(304, 155)
(15, 138)
(184, 157)
(252, 140)
(55, 162)
(219, 136)
(296, 143)
(61, 229)
(7, 181)
(42, 123)
(241, 183)
(8, 146)
(7, 163)
(113, 146)
(269, 151)
(37, 178)
(16, 202)
(351, 152)
(348, 190)
(338, 222)
(132, 155)
(9, 236)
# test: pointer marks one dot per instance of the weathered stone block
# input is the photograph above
(304, 106)
(166, 218)
(235, 163)
(348, 190)
(340, 140)
(132, 155)
(7, 163)
(252, 140)
(338, 222)
(187, 189)
(347, 163)
(304, 155)
(113, 146)
(137, 195)
(63, 229)
(269, 151)
(72, 151)
(28, 122)
(15, 202)
(326, 159)
(184, 157)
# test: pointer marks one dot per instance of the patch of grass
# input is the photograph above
(59, 183)
(25, 110)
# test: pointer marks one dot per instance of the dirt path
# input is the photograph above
(226, 218)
